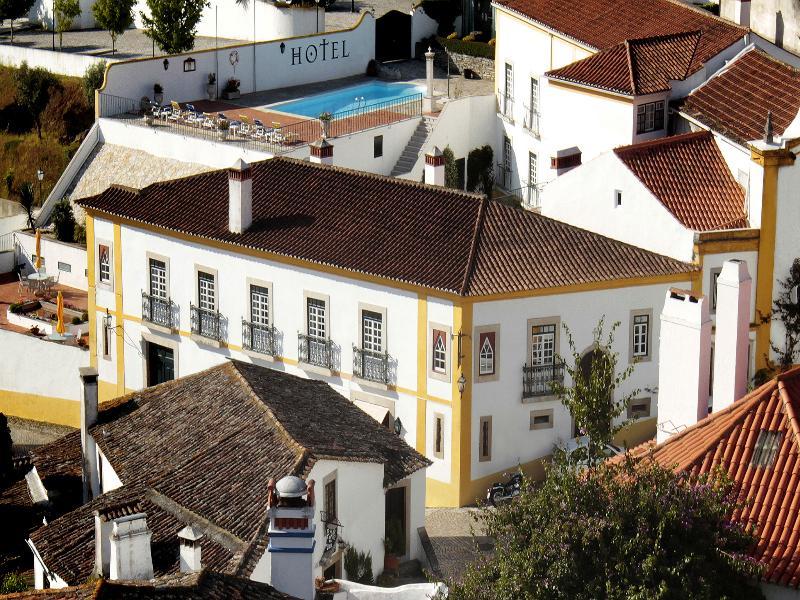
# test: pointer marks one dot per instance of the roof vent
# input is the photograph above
(240, 197)
(190, 552)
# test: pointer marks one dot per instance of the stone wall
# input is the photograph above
(483, 67)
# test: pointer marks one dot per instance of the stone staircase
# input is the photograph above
(410, 153)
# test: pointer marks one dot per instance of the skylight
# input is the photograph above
(766, 448)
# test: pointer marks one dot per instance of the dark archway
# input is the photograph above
(393, 36)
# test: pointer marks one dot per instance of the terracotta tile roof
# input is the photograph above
(202, 449)
(728, 439)
(386, 227)
(601, 24)
(205, 584)
(689, 176)
(735, 101)
(636, 67)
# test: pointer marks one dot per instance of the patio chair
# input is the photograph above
(262, 132)
(23, 283)
(233, 127)
(209, 122)
(246, 126)
(176, 114)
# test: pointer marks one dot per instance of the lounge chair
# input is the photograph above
(209, 122)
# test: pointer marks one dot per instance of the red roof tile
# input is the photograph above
(689, 176)
(636, 67)
(771, 493)
(391, 228)
(604, 23)
(735, 102)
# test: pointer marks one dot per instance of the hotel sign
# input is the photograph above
(320, 51)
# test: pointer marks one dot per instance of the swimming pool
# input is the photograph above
(355, 96)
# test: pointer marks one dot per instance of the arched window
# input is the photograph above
(486, 354)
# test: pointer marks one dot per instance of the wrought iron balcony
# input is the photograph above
(531, 197)
(531, 122)
(370, 365)
(505, 106)
(537, 380)
(206, 323)
(157, 310)
(258, 338)
(314, 351)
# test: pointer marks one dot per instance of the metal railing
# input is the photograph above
(205, 322)
(531, 122)
(157, 310)
(314, 351)
(258, 338)
(371, 365)
(376, 114)
(537, 380)
(112, 106)
(505, 105)
(7, 241)
(528, 196)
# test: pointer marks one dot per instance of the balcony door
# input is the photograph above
(543, 345)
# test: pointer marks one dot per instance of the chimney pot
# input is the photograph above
(90, 478)
(321, 152)
(240, 197)
(190, 551)
(434, 167)
(131, 557)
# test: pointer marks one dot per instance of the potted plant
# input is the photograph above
(231, 91)
(211, 87)
(325, 121)
(158, 94)
(393, 546)
(223, 127)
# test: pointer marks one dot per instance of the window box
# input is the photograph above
(537, 380)
(206, 325)
(158, 312)
(258, 339)
(371, 366)
(315, 351)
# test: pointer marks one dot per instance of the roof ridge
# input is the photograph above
(473, 249)
(632, 63)
(791, 414)
(709, 15)
(665, 141)
(665, 36)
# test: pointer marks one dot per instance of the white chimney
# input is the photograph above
(684, 362)
(189, 540)
(130, 548)
(89, 470)
(732, 339)
(321, 152)
(434, 167)
(240, 197)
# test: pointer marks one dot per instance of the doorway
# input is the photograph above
(160, 364)
(396, 520)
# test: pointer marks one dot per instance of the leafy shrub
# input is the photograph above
(64, 221)
(79, 237)
(480, 170)
(358, 566)
(372, 68)
(444, 12)
(711, 7)
(76, 321)
(92, 80)
(469, 48)
(450, 169)
(13, 582)
(452, 36)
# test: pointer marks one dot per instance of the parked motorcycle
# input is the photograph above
(501, 492)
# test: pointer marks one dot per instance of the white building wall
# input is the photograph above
(63, 63)
(513, 442)
(108, 476)
(65, 261)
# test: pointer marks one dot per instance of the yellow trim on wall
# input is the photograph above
(462, 402)
(91, 295)
(439, 494)
(120, 324)
(422, 371)
(724, 246)
(476, 489)
(41, 408)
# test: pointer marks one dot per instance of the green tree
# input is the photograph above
(27, 198)
(66, 12)
(33, 87)
(64, 221)
(787, 311)
(626, 530)
(172, 24)
(591, 397)
(480, 170)
(115, 16)
(92, 80)
(6, 449)
(11, 10)
(450, 169)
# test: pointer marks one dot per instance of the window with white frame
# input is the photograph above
(439, 354)
(543, 344)
(617, 198)
(104, 263)
(106, 338)
(158, 278)
(372, 331)
(486, 343)
(534, 95)
(509, 81)
(641, 335)
(650, 117)
(259, 305)
(206, 291)
(316, 318)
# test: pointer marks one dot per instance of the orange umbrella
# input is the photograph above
(60, 314)
(38, 263)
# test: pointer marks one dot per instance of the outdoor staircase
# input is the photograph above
(410, 153)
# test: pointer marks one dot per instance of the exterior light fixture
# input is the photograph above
(398, 426)
(462, 383)
(166, 64)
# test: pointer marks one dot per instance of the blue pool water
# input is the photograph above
(356, 96)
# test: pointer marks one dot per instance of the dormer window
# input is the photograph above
(766, 449)
(650, 117)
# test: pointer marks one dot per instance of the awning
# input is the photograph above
(380, 413)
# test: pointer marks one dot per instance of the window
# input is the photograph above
(377, 146)
(617, 198)
(650, 117)
(641, 335)
(509, 81)
(372, 331)
(65, 267)
(766, 449)
(543, 344)
(104, 261)
(329, 500)
(532, 169)
(639, 408)
(158, 278)
(486, 353)
(439, 364)
(316, 318)
(206, 291)
(541, 419)
(534, 95)
(259, 305)
(714, 276)
(106, 338)
(506, 166)
(485, 440)
(438, 436)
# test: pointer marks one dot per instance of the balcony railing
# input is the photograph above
(158, 310)
(314, 351)
(537, 380)
(505, 105)
(206, 323)
(370, 365)
(504, 176)
(258, 338)
(531, 122)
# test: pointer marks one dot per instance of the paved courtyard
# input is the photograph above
(451, 546)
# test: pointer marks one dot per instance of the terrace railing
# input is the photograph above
(537, 380)
(258, 338)
(157, 310)
(113, 106)
(370, 365)
(206, 323)
(376, 114)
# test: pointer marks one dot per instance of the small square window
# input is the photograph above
(617, 198)
(66, 267)
(639, 408)
(541, 419)
(377, 146)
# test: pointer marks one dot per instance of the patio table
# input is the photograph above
(40, 279)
